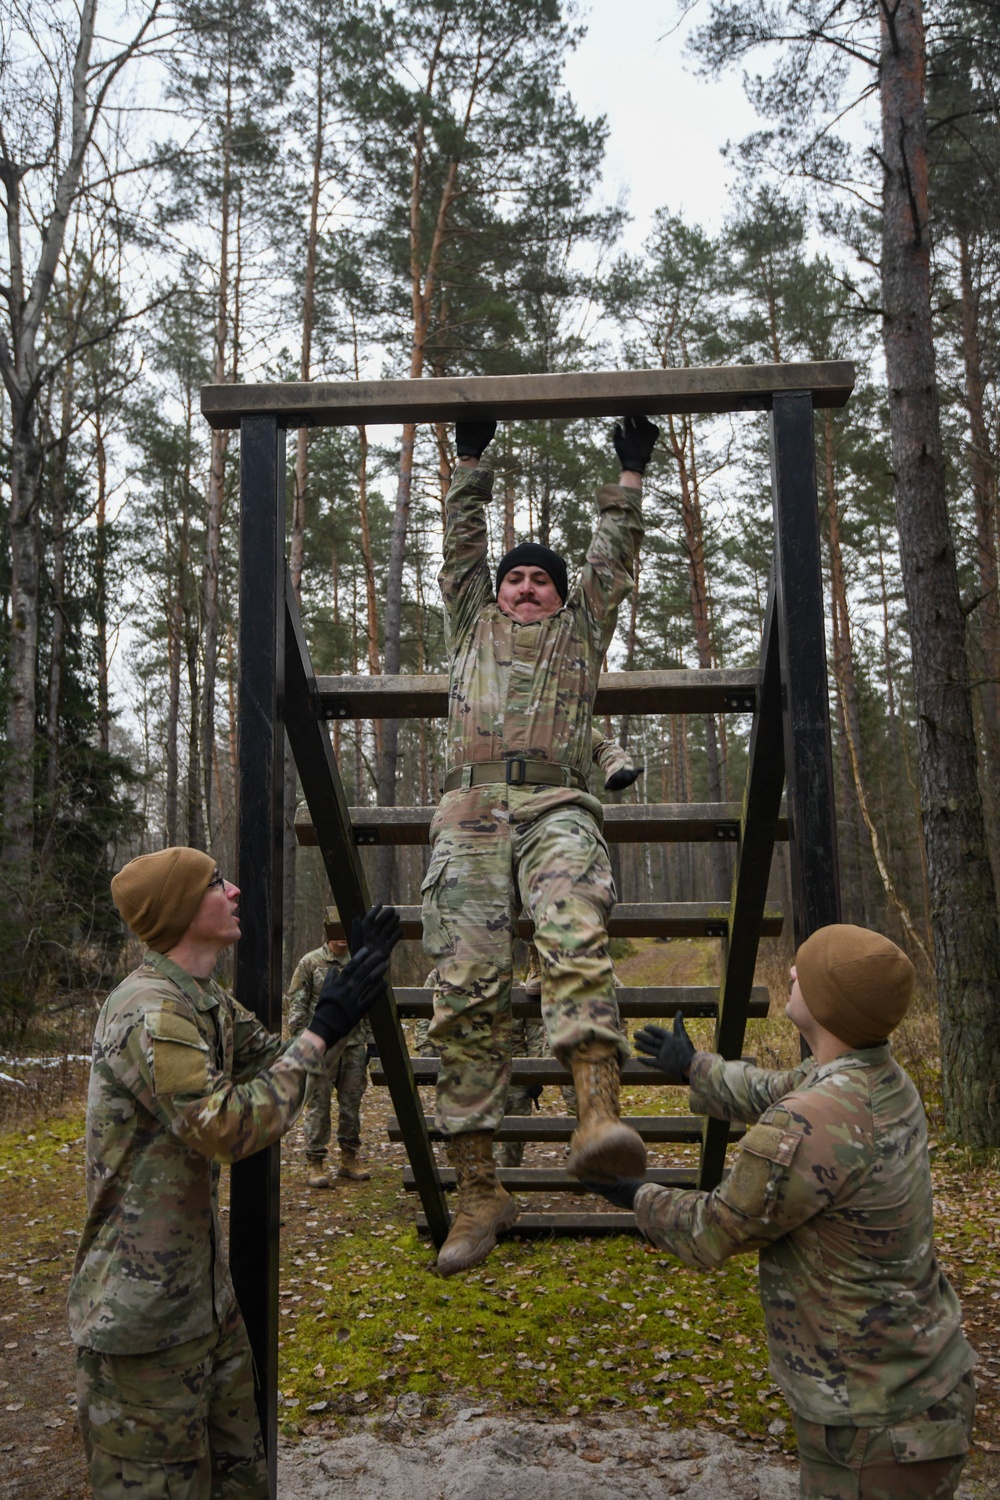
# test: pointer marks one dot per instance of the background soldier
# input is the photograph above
(346, 1073)
(832, 1185)
(164, 1372)
(518, 827)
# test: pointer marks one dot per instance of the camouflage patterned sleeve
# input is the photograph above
(169, 1071)
(787, 1170)
(299, 1001)
(254, 1047)
(464, 578)
(606, 577)
(608, 755)
(738, 1090)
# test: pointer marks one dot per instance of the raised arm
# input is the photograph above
(608, 573)
(464, 578)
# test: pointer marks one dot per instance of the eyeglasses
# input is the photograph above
(218, 879)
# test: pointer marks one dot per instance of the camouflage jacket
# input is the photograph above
(303, 992)
(832, 1185)
(182, 1078)
(529, 689)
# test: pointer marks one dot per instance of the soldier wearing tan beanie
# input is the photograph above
(831, 1186)
(183, 1079)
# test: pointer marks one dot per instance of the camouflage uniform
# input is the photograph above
(528, 1039)
(832, 1186)
(520, 690)
(348, 1073)
(182, 1078)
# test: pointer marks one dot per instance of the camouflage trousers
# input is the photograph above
(177, 1424)
(527, 1040)
(349, 1076)
(921, 1459)
(486, 868)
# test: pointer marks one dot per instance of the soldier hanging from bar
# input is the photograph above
(518, 829)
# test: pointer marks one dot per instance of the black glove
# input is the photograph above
(349, 993)
(621, 1192)
(635, 439)
(619, 780)
(669, 1052)
(378, 930)
(472, 437)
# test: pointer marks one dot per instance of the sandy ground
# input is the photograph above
(475, 1456)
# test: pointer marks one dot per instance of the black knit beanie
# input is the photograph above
(533, 555)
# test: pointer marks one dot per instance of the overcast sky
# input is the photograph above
(666, 125)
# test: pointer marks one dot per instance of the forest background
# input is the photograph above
(247, 189)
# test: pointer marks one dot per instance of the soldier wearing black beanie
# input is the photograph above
(534, 555)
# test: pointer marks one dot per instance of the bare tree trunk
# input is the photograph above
(216, 476)
(963, 897)
(101, 583)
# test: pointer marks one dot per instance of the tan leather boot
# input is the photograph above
(317, 1177)
(351, 1167)
(533, 978)
(483, 1208)
(603, 1147)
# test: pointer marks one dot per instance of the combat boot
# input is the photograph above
(603, 1146)
(317, 1177)
(533, 978)
(483, 1206)
(351, 1167)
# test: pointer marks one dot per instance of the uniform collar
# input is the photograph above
(864, 1057)
(201, 998)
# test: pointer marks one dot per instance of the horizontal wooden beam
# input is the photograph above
(714, 690)
(518, 398)
(545, 1226)
(624, 823)
(543, 1070)
(552, 1179)
(639, 919)
(554, 1129)
(640, 1003)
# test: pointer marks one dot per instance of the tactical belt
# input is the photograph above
(515, 771)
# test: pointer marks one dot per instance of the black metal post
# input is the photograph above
(812, 837)
(761, 807)
(254, 1203)
(324, 793)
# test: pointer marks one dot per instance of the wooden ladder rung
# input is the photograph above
(553, 1179)
(634, 1002)
(549, 1129)
(532, 1226)
(543, 1070)
(631, 919)
(681, 691)
(624, 823)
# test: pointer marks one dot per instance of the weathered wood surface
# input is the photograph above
(543, 1070)
(639, 1003)
(552, 1179)
(656, 1129)
(714, 690)
(545, 1226)
(512, 398)
(629, 919)
(624, 823)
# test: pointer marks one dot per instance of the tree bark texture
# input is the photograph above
(962, 893)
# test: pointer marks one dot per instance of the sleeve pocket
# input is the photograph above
(766, 1154)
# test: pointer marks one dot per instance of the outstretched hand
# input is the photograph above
(349, 993)
(669, 1052)
(635, 439)
(472, 437)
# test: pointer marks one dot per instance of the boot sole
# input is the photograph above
(619, 1151)
(465, 1261)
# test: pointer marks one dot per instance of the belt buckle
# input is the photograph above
(516, 760)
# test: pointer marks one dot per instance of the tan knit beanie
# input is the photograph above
(158, 894)
(856, 983)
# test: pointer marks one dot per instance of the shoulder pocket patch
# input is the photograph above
(180, 1054)
(766, 1153)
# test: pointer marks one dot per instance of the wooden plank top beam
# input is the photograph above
(543, 1070)
(549, 1129)
(624, 823)
(514, 398)
(407, 696)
